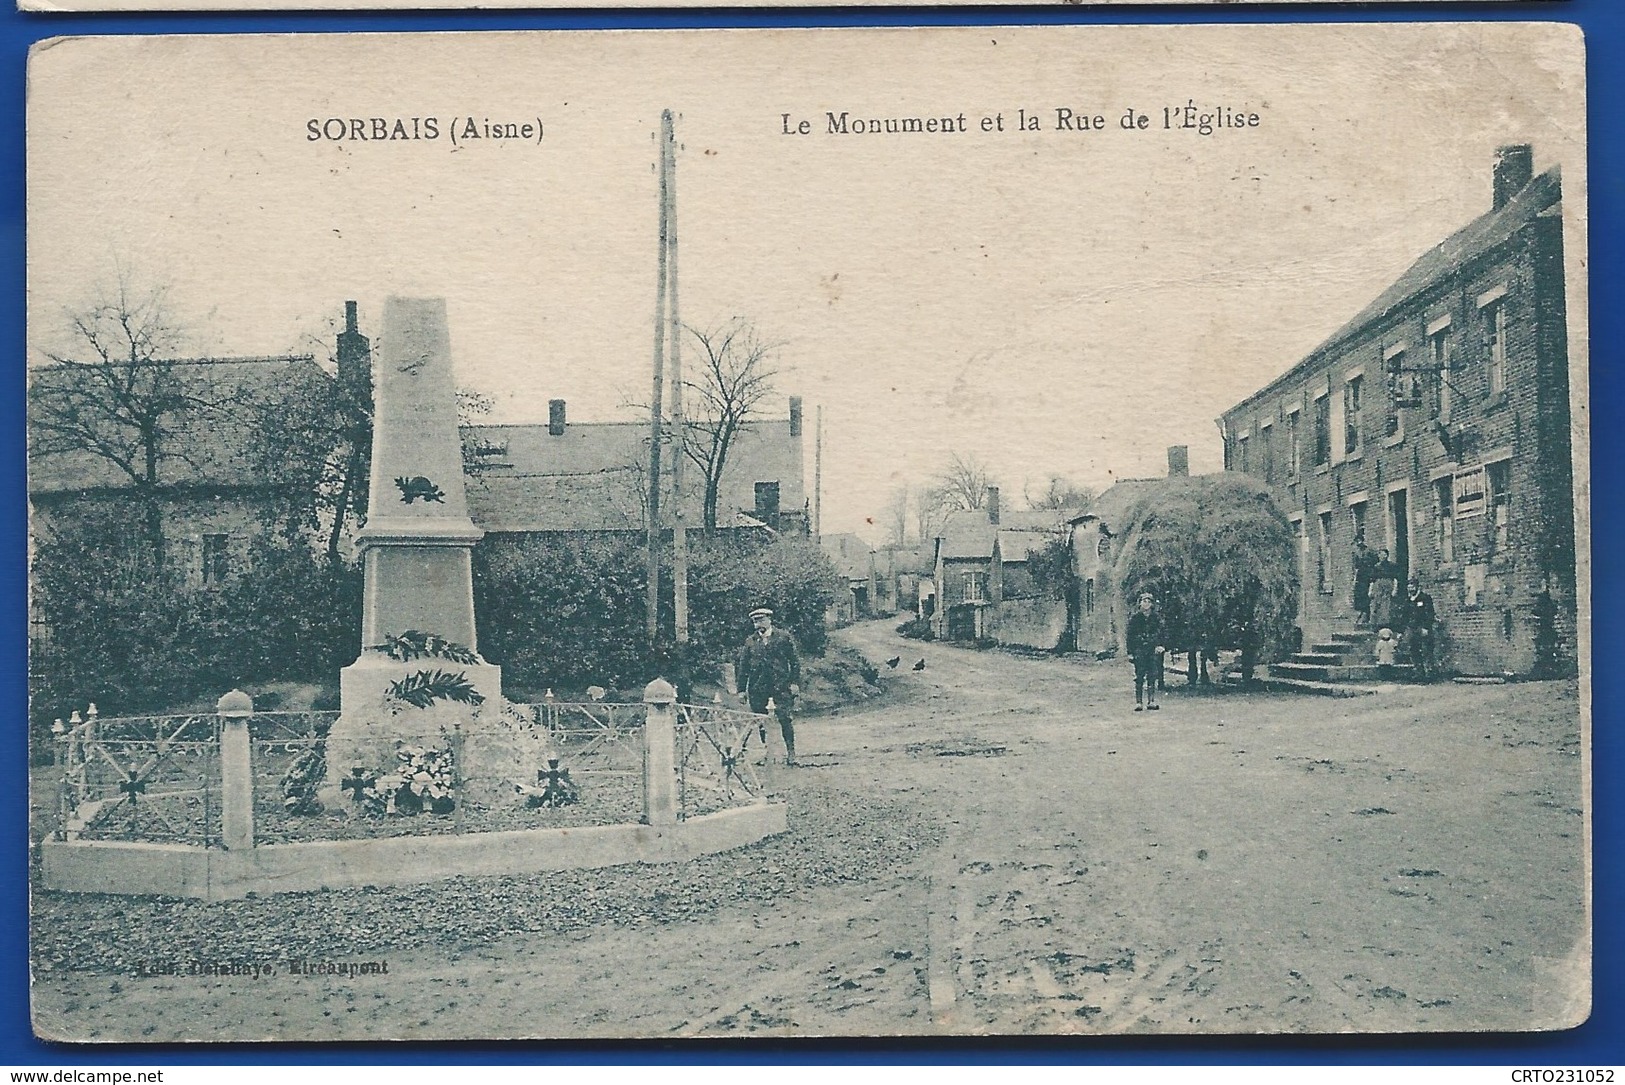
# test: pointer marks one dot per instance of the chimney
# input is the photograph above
(1514, 168)
(795, 416)
(993, 505)
(1179, 461)
(354, 356)
(555, 417)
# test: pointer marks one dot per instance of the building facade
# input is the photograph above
(981, 572)
(582, 478)
(1435, 425)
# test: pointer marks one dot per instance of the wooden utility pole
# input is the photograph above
(818, 477)
(679, 511)
(652, 620)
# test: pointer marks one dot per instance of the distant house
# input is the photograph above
(900, 574)
(854, 562)
(563, 477)
(981, 567)
(218, 484)
(214, 488)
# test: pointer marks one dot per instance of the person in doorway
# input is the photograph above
(1365, 563)
(1419, 625)
(1384, 589)
(768, 669)
(1145, 647)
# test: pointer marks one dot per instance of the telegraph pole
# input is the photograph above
(818, 477)
(652, 619)
(679, 511)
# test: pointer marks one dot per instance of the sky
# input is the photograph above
(1052, 302)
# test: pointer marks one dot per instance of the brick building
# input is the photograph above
(1435, 424)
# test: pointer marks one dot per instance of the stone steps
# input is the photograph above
(1273, 684)
(1342, 672)
(1338, 660)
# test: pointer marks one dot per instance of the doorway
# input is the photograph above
(1399, 532)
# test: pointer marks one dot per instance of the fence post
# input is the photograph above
(236, 771)
(660, 753)
(61, 759)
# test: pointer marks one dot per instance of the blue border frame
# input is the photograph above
(1595, 1043)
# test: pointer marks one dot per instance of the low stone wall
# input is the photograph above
(1035, 623)
(180, 870)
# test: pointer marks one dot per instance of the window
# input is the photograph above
(1265, 452)
(1323, 430)
(1292, 442)
(216, 559)
(1495, 342)
(1351, 416)
(767, 499)
(1323, 563)
(1394, 364)
(1357, 519)
(1445, 499)
(975, 587)
(1498, 480)
(1440, 349)
(1089, 596)
(1241, 454)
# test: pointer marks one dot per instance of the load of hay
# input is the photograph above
(1221, 560)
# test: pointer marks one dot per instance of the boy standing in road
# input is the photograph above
(769, 669)
(1145, 647)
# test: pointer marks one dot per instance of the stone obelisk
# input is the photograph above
(417, 562)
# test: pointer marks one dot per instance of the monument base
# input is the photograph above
(494, 751)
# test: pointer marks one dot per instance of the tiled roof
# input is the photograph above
(1016, 543)
(1479, 236)
(967, 534)
(851, 556)
(904, 559)
(210, 445)
(592, 476)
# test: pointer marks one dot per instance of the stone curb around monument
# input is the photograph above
(184, 870)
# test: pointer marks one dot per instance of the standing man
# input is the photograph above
(1365, 564)
(769, 669)
(1419, 620)
(1145, 647)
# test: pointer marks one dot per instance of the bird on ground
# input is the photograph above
(920, 666)
(894, 661)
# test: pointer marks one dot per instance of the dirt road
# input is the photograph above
(1233, 863)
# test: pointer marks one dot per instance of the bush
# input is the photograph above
(566, 613)
(917, 629)
(137, 640)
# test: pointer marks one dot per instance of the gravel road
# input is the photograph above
(995, 845)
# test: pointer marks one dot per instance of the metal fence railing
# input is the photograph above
(158, 778)
(722, 758)
(151, 778)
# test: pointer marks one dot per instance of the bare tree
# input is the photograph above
(897, 507)
(313, 436)
(1059, 493)
(116, 395)
(963, 483)
(735, 373)
(929, 514)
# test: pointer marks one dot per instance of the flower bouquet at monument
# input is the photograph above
(424, 781)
